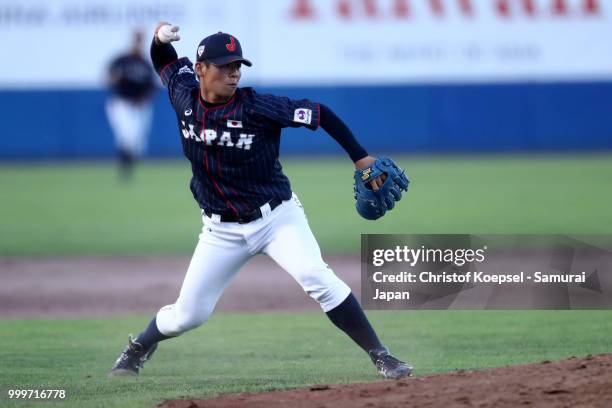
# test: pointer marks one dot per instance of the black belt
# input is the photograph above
(248, 217)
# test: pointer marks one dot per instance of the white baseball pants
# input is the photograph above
(224, 247)
(130, 123)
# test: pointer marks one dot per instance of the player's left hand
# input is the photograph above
(389, 179)
(368, 161)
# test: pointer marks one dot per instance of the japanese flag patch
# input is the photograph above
(302, 115)
(234, 123)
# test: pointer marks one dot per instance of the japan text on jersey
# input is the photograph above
(233, 148)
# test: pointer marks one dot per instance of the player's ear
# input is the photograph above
(199, 68)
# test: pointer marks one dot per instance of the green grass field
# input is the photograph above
(234, 353)
(82, 209)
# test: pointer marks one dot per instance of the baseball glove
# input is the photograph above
(373, 204)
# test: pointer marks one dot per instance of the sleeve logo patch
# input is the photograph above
(302, 115)
(185, 70)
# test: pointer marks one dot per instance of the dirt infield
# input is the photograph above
(81, 287)
(65, 287)
(576, 382)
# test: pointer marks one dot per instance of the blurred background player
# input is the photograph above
(129, 110)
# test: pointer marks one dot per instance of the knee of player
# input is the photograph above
(320, 283)
(185, 320)
(330, 295)
(312, 271)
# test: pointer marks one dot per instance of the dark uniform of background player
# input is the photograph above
(231, 136)
(131, 81)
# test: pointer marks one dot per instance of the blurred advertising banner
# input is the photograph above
(67, 43)
(378, 41)
(486, 272)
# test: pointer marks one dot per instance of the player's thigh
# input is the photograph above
(295, 249)
(142, 120)
(292, 244)
(121, 117)
(216, 260)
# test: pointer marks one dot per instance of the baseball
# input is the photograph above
(168, 33)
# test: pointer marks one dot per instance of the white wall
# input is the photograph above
(64, 43)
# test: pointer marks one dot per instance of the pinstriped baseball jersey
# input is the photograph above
(233, 148)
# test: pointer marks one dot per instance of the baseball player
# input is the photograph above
(231, 136)
(129, 110)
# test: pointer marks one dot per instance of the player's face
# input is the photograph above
(219, 82)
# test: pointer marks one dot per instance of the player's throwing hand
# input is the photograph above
(166, 33)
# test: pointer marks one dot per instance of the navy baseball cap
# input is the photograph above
(220, 49)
